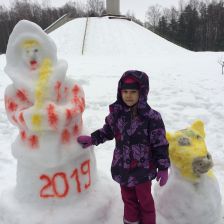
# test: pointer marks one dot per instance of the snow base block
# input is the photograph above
(88, 207)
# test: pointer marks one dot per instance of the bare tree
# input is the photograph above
(95, 7)
(46, 3)
(167, 14)
(130, 15)
(81, 9)
(153, 14)
(194, 4)
(181, 5)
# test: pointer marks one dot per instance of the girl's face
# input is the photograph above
(130, 96)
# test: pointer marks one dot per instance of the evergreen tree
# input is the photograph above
(162, 28)
(198, 26)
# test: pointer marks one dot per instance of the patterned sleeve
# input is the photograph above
(159, 143)
(104, 134)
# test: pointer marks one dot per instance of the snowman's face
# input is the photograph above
(32, 55)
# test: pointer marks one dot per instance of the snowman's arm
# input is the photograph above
(76, 98)
(71, 106)
(58, 114)
(70, 109)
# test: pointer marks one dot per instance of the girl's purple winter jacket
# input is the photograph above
(141, 145)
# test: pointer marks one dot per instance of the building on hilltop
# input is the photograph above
(113, 7)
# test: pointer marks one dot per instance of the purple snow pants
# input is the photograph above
(138, 203)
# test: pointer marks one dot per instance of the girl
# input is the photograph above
(141, 150)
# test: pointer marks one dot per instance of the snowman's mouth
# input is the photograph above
(33, 64)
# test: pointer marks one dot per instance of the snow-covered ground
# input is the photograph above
(184, 86)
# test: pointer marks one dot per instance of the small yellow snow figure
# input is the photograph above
(192, 189)
(188, 151)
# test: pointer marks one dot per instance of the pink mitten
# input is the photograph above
(85, 141)
(162, 177)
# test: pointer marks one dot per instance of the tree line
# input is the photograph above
(197, 25)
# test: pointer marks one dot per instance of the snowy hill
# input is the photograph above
(184, 86)
(108, 37)
(123, 40)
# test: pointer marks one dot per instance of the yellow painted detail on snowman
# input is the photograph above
(211, 174)
(29, 43)
(43, 83)
(186, 145)
(36, 121)
(41, 91)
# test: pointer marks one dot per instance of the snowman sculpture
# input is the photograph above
(192, 193)
(47, 108)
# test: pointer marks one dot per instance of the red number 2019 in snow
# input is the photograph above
(51, 182)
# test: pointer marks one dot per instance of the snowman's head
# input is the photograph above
(32, 53)
(188, 151)
(27, 48)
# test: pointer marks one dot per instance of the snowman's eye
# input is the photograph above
(198, 137)
(184, 141)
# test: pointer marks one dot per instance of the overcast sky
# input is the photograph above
(138, 7)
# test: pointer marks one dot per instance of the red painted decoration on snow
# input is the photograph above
(75, 111)
(83, 101)
(79, 102)
(76, 130)
(75, 175)
(33, 141)
(82, 105)
(65, 136)
(23, 135)
(14, 119)
(52, 116)
(11, 105)
(75, 100)
(55, 188)
(66, 91)
(85, 169)
(50, 188)
(22, 95)
(43, 193)
(76, 90)
(68, 115)
(21, 118)
(57, 90)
